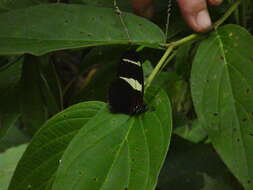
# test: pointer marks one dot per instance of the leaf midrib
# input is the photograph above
(231, 89)
(117, 153)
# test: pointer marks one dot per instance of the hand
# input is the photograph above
(194, 12)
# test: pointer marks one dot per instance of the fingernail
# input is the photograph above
(203, 20)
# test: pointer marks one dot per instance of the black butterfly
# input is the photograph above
(126, 92)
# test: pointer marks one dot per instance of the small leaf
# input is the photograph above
(192, 131)
(72, 26)
(222, 90)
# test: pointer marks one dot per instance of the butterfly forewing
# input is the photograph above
(126, 92)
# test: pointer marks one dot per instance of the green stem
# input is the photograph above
(187, 39)
(227, 14)
(174, 53)
(158, 67)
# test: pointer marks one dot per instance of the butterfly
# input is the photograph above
(126, 92)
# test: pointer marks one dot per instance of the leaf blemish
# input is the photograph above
(244, 119)
(249, 181)
(247, 91)
(95, 179)
(238, 140)
(215, 114)
(222, 58)
(80, 173)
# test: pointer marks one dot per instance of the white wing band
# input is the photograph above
(133, 62)
(133, 83)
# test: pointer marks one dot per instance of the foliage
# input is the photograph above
(57, 62)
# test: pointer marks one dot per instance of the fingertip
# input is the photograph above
(215, 2)
(203, 21)
(196, 14)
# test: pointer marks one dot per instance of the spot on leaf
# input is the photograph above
(95, 179)
(244, 119)
(215, 114)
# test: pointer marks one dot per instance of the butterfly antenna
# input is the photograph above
(118, 12)
(168, 17)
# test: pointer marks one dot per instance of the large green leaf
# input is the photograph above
(115, 151)
(122, 4)
(41, 159)
(6, 5)
(222, 90)
(72, 26)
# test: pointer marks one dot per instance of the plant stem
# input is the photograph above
(227, 14)
(193, 37)
(158, 67)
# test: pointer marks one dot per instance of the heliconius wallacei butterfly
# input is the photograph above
(126, 92)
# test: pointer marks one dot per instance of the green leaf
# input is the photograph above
(222, 90)
(122, 4)
(38, 165)
(50, 85)
(33, 108)
(7, 121)
(212, 183)
(115, 151)
(72, 26)
(8, 162)
(183, 59)
(192, 131)
(10, 76)
(6, 5)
